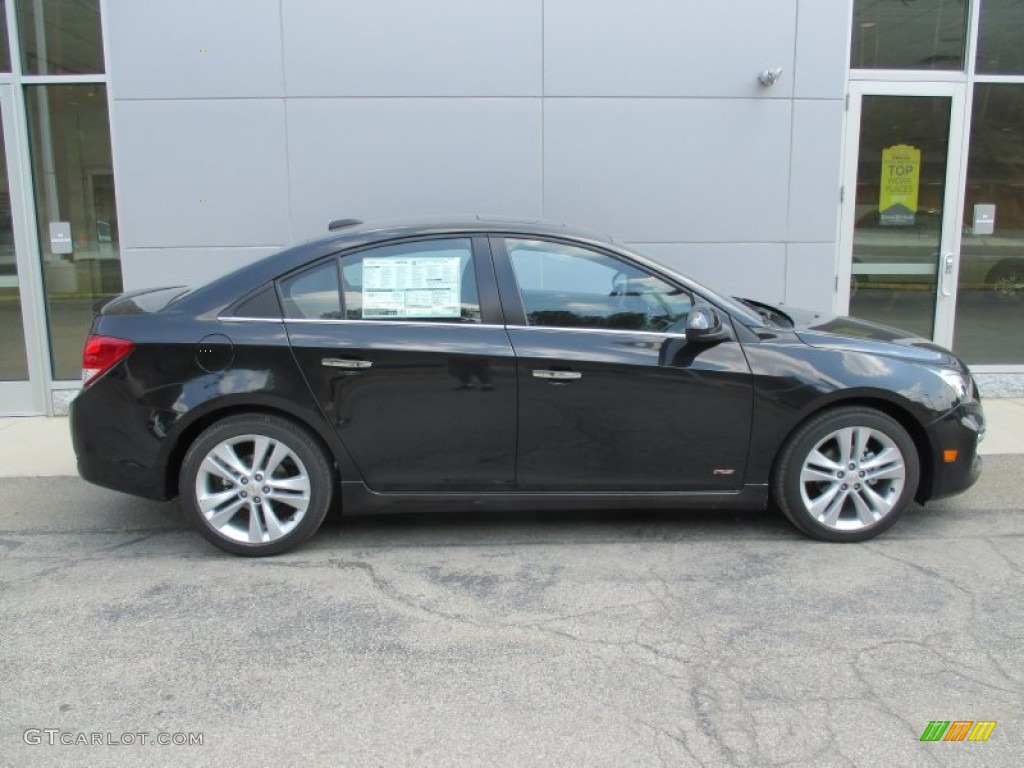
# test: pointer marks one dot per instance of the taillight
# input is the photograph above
(102, 353)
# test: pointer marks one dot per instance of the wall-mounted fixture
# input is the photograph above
(768, 77)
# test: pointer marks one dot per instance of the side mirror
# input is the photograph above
(704, 326)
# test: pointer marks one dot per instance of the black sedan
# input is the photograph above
(488, 364)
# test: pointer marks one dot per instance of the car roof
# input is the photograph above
(425, 225)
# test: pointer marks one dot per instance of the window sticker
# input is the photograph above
(412, 286)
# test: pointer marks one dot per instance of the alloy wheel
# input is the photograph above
(252, 489)
(852, 478)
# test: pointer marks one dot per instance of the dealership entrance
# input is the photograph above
(59, 249)
(932, 236)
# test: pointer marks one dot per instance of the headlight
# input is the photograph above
(958, 381)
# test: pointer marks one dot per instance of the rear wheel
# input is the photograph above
(847, 474)
(256, 484)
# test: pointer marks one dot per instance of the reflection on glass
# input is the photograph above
(60, 37)
(895, 240)
(13, 360)
(999, 38)
(5, 53)
(990, 294)
(564, 286)
(914, 34)
(69, 137)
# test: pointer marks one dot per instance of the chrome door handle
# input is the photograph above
(947, 275)
(335, 362)
(557, 375)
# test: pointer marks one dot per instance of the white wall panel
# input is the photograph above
(201, 173)
(371, 158)
(195, 48)
(151, 267)
(713, 170)
(667, 47)
(412, 48)
(750, 270)
(823, 29)
(810, 275)
(815, 172)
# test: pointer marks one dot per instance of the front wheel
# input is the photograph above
(256, 484)
(847, 474)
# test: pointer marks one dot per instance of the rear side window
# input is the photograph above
(313, 294)
(428, 280)
(262, 305)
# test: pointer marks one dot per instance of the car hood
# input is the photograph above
(851, 334)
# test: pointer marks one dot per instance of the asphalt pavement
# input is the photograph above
(515, 640)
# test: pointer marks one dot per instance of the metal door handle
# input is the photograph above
(947, 274)
(334, 362)
(557, 375)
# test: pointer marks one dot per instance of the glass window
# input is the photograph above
(5, 53)
(1000, 48)
(60, 37)
(69, 137)
(261, 305)
(432, 280)
(563, 286)
(990, 292)
(313, 294)
(909, 34)
(13, 361)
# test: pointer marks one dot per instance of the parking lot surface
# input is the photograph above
(530, 639)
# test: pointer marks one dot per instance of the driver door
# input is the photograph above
(611, 395)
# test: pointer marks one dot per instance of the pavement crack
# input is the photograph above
(929, 572)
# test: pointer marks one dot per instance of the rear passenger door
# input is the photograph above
(404, 349)
(611, 395)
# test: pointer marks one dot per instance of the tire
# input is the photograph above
(832, 494)
(1007, 279)
(269, 512)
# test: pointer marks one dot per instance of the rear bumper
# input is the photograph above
(109, 455)
(959, 430)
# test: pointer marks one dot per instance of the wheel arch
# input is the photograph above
(899, 413)
(190, 431)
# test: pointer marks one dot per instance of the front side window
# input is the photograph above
(565, 286)
(428, 280)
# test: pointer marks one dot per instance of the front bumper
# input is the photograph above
(960, 430)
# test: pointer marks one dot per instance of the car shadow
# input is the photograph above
(527, 527)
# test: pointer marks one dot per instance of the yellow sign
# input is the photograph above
(901, 176)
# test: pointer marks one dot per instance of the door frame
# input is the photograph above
(953, 197)
(28, 397)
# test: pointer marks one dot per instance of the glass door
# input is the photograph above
(21, 373)
(990, 284)
(900, 222)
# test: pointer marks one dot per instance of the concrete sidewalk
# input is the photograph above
(41, 447)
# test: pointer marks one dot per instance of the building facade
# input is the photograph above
(861, 156)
